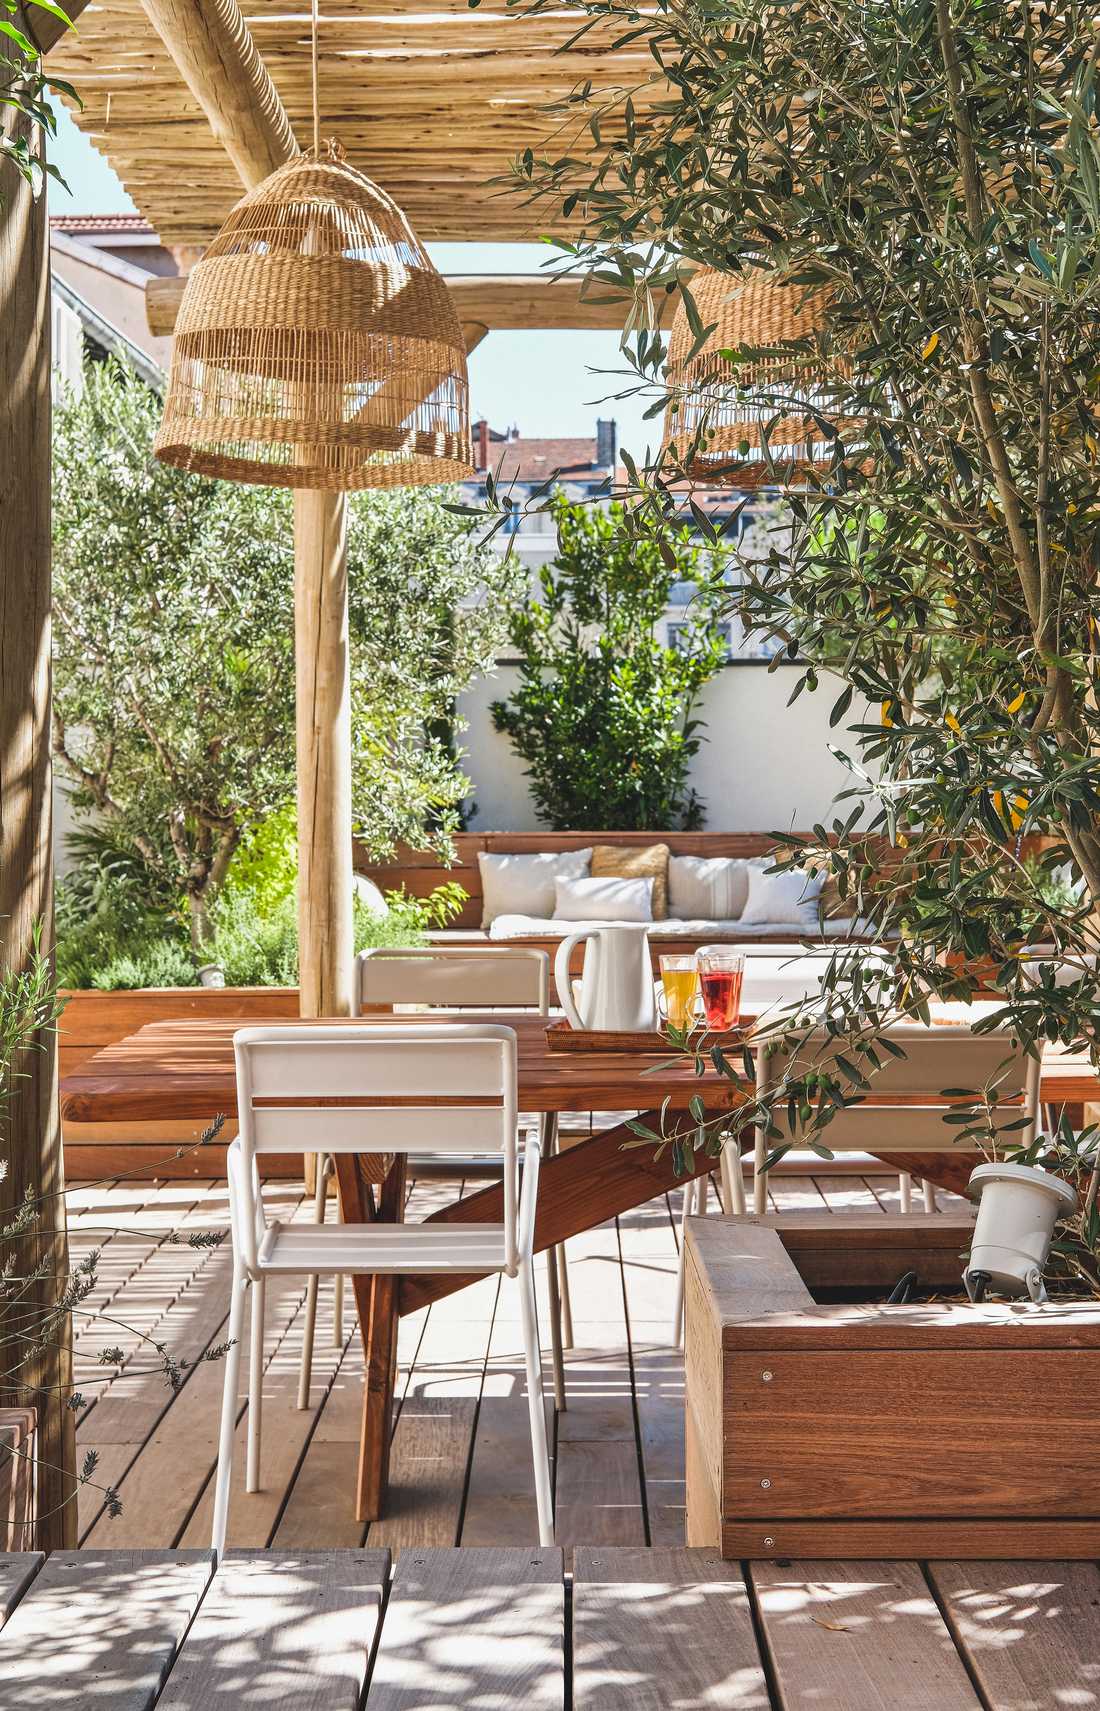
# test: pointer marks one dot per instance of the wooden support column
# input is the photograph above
(323, 699)
(31, 1145)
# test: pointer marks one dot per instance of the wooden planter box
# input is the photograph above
(92, 1020)
(864, 1430)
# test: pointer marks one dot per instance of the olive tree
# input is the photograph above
(930, 170)
(174, 649)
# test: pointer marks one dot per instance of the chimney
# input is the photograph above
(481, 444)
(607, 445)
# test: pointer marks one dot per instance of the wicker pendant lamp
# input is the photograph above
(316, 345)
(729, 405)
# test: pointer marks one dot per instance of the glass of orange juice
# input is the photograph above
(680, 982)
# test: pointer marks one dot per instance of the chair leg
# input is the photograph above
(555, 1267)
(690, 1189)
(905, 1189)
(540, 1449)
(733, 1183)
(256, 1386)
(551, 1139)
(338, 1284)
(310, 1326)
(305, 1372)
(557, 1359)
(227, 1432)
(929, 1195)
(566, 1301)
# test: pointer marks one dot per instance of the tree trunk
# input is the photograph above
(33, 1131)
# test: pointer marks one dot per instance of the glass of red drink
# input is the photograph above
(720, 975)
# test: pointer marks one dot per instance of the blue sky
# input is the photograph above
(547, 382)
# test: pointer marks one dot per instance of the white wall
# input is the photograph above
(764, 766)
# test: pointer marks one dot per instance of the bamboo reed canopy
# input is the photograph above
(432, 101)
(316, 345)
(716, 419)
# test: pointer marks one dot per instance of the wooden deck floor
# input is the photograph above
(461, 1452)
(493, 1630)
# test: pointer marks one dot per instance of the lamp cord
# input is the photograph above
(313, 68)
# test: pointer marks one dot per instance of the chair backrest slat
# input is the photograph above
(474, 977)
(373, 1087)
(328, 1129)
(936, 1058)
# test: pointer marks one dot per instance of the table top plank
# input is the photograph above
(865, 1635)
(186, 1067)
(663, 1627)
(1030, 1630)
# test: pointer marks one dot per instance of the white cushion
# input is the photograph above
(790, 898)
(714, 888)
(533, 927)
(603, 899)
(524, 884)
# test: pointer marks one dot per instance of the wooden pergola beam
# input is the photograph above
(215, 55)
(503, 302)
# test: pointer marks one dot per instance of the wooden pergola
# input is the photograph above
(200, 100)
(190, 100)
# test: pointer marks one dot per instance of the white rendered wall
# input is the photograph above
(764, 766)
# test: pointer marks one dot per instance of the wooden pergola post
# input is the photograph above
(217, 59)
(33, 1151)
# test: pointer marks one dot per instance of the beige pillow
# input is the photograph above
(612, 861)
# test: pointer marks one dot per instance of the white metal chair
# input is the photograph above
(441, 976)
(904, 1104)
(935, 1057)
(480, 977)
(358, 1087)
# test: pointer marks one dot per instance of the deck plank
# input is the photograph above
(17, 1570)
(1031, 1630)
(480, 1629)
(663, 1628)
(649, 1255)
(99, 1629)
(282, 1630)
(500, 1496)
(865, 1635)
(598, 1485)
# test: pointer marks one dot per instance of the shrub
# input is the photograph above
(604, 712)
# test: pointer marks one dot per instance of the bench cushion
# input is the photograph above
(532, 926)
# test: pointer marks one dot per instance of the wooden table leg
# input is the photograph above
(381, 1363)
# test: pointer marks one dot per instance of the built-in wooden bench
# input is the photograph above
(420, 872)
(505, 1627)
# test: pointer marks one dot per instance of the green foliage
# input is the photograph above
(428, 612)
(604, 711)
(25, 88)
(173, 643)
(162, 962)
(174, 659)
(931, 169)
(109, 939)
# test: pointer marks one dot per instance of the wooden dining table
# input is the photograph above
(186, 1068)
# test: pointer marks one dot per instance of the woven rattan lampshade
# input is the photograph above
(733, 403)
(316, 344)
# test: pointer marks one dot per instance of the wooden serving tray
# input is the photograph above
(562, 1037)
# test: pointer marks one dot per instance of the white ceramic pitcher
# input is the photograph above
(617, 982)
